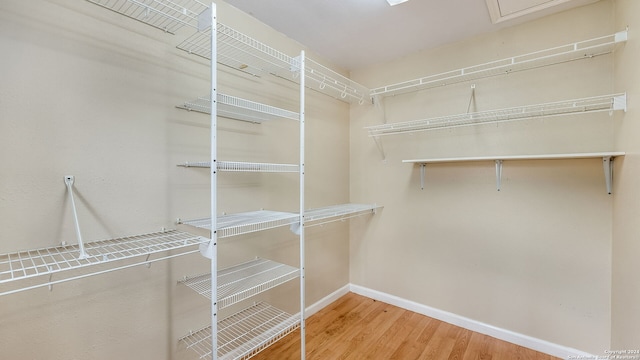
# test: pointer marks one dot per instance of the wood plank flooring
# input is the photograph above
(356, 327)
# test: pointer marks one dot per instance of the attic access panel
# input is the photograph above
(504, 10)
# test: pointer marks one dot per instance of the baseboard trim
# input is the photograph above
(543, 346)
(325, 301)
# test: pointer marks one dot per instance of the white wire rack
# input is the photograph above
(242, 281)
(247, 222)
(48, 261)
(556, 55)
(246, 54)
(239, 109)
(244, 334)
(567, 107)
(235, 166)
(166, 15)
(332, 213)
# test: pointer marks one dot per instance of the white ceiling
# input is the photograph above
(357, 33)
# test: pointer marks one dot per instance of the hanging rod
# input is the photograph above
(570, 52)
(567, 107)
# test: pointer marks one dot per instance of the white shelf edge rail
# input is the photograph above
(50, 261)
(607, 162)
(238, 166)
(242, 281)
(239, 109)
(241, 52)
(570, 52)
(166, 15)
(593, 104)
(243, 334)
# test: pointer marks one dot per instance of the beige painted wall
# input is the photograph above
(534, 258)
(87, 92)
(626, 207)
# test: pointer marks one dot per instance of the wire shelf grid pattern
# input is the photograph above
(166, 15)
(328, 214)
(240, 109)
(242, 281)
(236, 166)
(244, 334)
(46, 261)
(556, 55)
(576, 106)
(246, 54)
(247, 222)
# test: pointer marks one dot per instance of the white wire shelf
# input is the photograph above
(166, 15)
(242, 281)
(556, 55)
(246, 222)
(244, 334)
(243, 223)
(568, 107)
(53, 260)
(235, 166)
(239, 109)
(332, 213)
(246, 54)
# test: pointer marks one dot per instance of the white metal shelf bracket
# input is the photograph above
(423, 170)
(69, 181)
(498, 174)
(607, 163)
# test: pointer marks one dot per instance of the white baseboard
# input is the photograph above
(325, 301)
(543, 346)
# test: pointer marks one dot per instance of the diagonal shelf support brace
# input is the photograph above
(69, 180)
(378, 142)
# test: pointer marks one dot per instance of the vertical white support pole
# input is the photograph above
(69, 180)
(607, 163)
(302, 207)
(498, 174)
(211, 250)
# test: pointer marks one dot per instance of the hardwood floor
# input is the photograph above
(356, 327)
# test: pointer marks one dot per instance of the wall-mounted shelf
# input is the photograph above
(60, 259)
(166, 15)
(570, 52)
(568, 107)
(237, 166)
(319, 216)
(239, 109)
(607, 161)
(241, 52)
(244, 334)
(247, 222)
(242, 281)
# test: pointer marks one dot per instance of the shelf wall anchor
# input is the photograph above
(498, 174)
(69, 180)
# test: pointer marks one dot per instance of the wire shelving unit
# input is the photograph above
(606, 103)
(241, 52)
(243, 281)
(244, 334)
(46, 262)
(556, 55)
(239, 109)
(327, 214)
